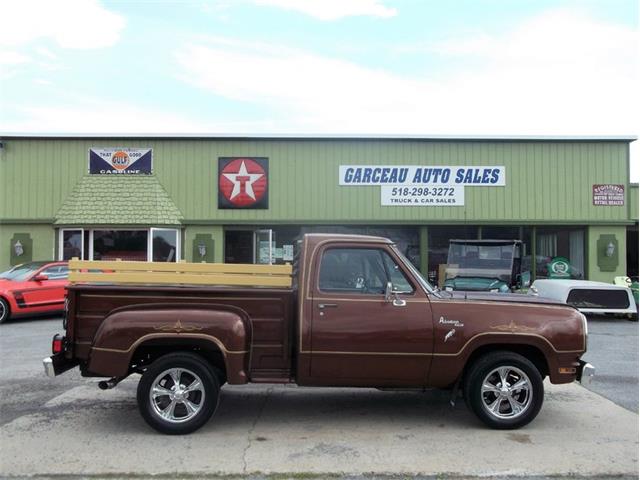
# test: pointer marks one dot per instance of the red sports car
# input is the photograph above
(33, 288)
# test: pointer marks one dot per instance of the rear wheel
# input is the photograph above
(178, 393)
(5, 311)
(504, 390)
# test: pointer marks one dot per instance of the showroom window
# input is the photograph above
(129, 245)
(72, 244)
(276, 244)
(153, 244)
(553, 243)
(164, 247)
(439, 237)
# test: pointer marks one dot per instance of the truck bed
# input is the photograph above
(271, 312)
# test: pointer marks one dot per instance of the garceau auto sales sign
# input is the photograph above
(416, 185)
(353, 175)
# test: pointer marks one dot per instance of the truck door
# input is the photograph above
(359, 336)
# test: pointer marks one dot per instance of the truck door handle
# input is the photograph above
(327, 305)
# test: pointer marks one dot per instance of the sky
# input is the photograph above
(426, 67)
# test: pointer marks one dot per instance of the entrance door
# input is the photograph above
(360, 337)
(265, 246)
(239, 246)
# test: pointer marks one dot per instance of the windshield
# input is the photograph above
(20, 273)
(477, 260)
(416, 273)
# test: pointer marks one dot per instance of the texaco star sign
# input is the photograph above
(242, 182)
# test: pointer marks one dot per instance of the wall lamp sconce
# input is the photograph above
(202, 250)
(611, 249)
(18, 249)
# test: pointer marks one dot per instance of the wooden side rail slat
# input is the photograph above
(117, 266)
(180, 273)
(186, 278)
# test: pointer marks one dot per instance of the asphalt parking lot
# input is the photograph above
(66, 426)
(613, 350)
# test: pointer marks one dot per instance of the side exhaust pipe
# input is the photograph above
(109, 384)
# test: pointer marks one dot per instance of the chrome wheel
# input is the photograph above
(177, 395)
(506, 392)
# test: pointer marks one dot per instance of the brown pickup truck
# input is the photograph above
(357, 314)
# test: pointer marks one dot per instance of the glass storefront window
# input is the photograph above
(154, 244)
(564, 244)
(407, 239)
(72, 244)
(251, 244)
(489, 232)
(164, 245)
(439, 237)
(129, 245)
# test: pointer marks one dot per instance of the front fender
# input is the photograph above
(463, 326)
(223, 327)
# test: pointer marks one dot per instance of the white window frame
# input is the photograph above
(178, 233)
(150, 231)
(61, 242)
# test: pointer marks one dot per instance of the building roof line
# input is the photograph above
(318, 136)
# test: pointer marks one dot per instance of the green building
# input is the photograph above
(246, 199)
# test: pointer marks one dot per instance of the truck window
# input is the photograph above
(353, 270)
(396, 276)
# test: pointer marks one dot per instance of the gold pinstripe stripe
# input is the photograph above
(172, 335)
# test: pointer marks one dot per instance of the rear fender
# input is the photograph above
(224, 327)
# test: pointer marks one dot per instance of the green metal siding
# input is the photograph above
(43, 237)
(633, 202)
(546, 181)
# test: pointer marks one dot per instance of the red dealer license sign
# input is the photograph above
(608, 195)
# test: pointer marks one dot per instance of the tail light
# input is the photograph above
(57, 344)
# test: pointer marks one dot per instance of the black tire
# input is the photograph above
(498, 407)
(169, 413)
(5, 310)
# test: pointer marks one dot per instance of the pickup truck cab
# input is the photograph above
(356, 314)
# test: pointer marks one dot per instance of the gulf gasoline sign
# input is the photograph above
(120, 160)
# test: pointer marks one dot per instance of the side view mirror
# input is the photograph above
(525, 279)
(41, 277)
(391, 295)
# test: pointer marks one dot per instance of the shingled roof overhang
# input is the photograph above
(118, 200)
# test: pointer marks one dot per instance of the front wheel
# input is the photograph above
(504, 390)
(178, 393)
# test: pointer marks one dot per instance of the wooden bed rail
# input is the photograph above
(167, 273)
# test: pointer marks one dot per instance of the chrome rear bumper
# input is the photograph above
(48, 367)
(57, 364)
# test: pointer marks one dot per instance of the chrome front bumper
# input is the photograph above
(586, 373)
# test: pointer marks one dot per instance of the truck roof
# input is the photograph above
(486, 242)
(341, 237)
